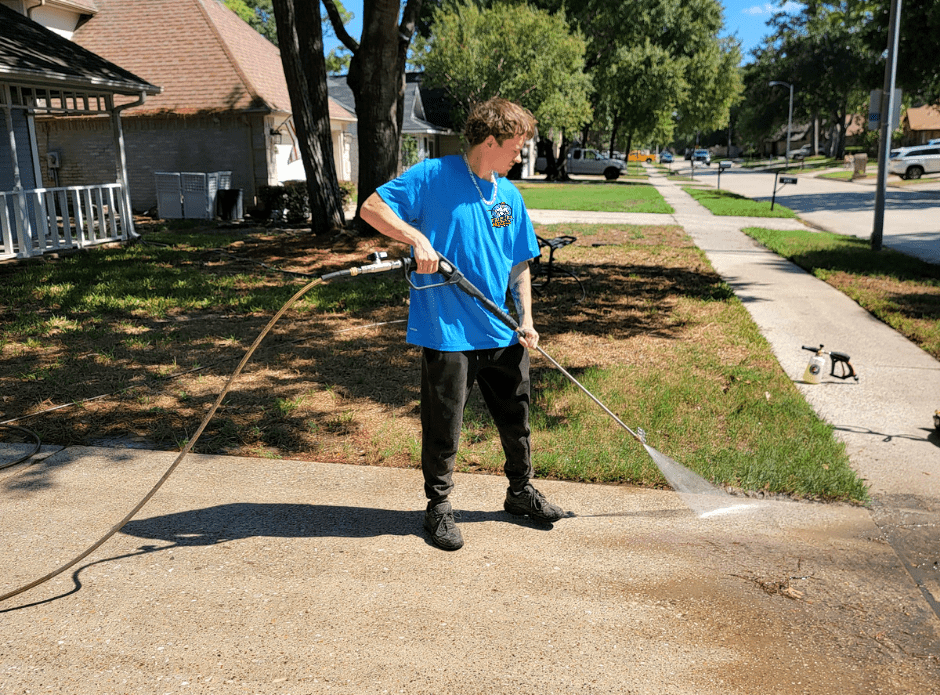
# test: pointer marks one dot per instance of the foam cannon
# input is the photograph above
(814, 370)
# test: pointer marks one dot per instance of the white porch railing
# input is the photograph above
(41, 220)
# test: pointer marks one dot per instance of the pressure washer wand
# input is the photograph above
(449, 271)
(701, 496)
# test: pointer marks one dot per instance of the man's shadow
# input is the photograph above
(232, 522)
(229, 522)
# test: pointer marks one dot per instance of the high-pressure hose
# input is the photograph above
(37, 444)
(192, 442)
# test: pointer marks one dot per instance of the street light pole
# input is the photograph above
(789, 117)
(887, 113)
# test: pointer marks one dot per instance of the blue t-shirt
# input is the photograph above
(484, 242)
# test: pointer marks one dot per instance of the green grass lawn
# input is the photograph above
(902, 291)
(662, 340)
(725, 203)
(608, 196)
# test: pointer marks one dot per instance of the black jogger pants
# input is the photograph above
(446, 379)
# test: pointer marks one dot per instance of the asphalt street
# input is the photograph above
(912, 213)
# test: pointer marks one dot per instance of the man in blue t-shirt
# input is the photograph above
(461, 208)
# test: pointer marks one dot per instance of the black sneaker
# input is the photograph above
(530, 501)
(439, 523)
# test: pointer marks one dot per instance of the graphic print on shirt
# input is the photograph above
(501, 215)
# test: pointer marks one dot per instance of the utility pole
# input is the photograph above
(887, 113)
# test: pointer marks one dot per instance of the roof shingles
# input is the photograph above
(203, 55)
(30, 52)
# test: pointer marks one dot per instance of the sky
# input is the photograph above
(745, 19)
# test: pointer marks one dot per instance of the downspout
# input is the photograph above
(118, 132)
(29, 10)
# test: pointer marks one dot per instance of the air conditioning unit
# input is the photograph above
(52, 160)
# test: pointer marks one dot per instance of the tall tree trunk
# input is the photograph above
(377, 80)
(615, 126)
(840, 116)
(300, 38)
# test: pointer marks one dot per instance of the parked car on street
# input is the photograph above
(702, 156)
(914, 162)
(585, 161)
(665, 158)
(640, 156)
(801, 153)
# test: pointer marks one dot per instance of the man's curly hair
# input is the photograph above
(500, 118)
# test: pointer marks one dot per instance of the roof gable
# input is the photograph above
(31, 53)
(203, 55)
(414, 117)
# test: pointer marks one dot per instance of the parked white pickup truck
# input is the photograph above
(584, 161)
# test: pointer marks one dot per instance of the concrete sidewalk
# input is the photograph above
(260, 576)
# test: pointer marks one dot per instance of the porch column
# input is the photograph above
(117, 130)
(21, 223)
(8, 110)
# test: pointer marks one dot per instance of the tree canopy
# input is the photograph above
(259, 14)
(514, 51)
(822, 52)
(918, 43)
(656, 65)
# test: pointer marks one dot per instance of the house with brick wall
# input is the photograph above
(223, 107)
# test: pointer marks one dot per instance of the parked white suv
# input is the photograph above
(914, 162)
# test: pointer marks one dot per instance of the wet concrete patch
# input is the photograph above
(911, 524)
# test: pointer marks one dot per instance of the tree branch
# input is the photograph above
(409, 19)
(337, 22)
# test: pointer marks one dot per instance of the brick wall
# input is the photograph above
(235, 143)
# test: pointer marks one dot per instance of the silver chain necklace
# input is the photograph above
(473, 177)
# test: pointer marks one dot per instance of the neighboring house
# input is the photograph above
(800, 134)
(856, 127)
(224, 105)
(427, 121)
(921, 124)
(46, 78)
